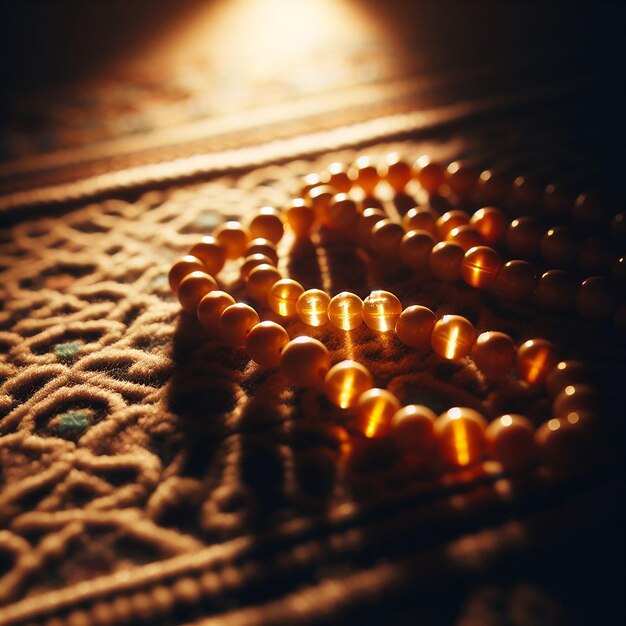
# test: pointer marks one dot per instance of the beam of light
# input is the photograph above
(375, 419)
(452, 342)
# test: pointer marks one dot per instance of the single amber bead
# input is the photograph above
(429, 175)
(345, 310)
(210, 309)
(421, 218)
(260, 281)
(381, 310)
(450, 220)
(453, 337)
(300, 217)
(321, 197)
(345, 382)
(374, 411)
(252, 261)
(193, 288)
(523, 237)
(557, 201)
(342, 212)
(338, 177)
(365, 174)
(493, 187)
(445, 260)
(211, 253)
(589, 212)
(236, 321)
(415, 326)
(415, 249)
(412, 428)
(312, 307)
(183, 267)
(595, 256)
(386, 237)
(559, 247)
(267, 224)
(466, 236)
(480, 266)
(265, 343)
(564, 374)
(461, 179)
(536, 358)
(233, 237)
(260, 245)
(397, 172)
(516, 280)
(490, 223)
(366, 222)
(460, 434)
(595, 299)
(309, 182)
(304, 362)
(556, 290)
(526, 192)
(574, 399)
(511, 441)
(494, 353)
(283, 297)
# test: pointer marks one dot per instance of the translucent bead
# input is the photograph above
(374, 411)
(252, 261)
(466, 236)
(260, 281)
(461, 179)
(429, 175)
(267, 224)
(576, 398)
(556, 290)
(381, 310)
(557, 201)
(595, 299)
(300, 217)
(559, 247)
(193, 288)
(415, 326)
(365, 174)
(366, 222)
(516, 280)
(460, 434)
(523, 237)
(304, 362)
(445, 261)
(338, 177)
(236, 321)
(283, 297)
(453, 337)
(312, 307)
(386, 237)
(526, 192)
(321, 197)
(421, 218)
(233, 237)
(265, 343)
(211, 253)
(345, 310)
(412, 428)
(345, 382)
(397, 172)
(566, 373)
(480, 266)
(450, 220)
(494, 353)
(260, 245)
(182, 268)
(309, 182)
(511, 441)
(490, 223)
(492, 187)
(415, 249)
(536, 358)
(211, 307)
(342, 212)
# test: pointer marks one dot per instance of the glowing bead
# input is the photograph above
(415, 326)
(421, 218)
(536, 358)
(182, 268)
(492, 187)
(193, 288)
(453, 337)
(345, 382)
(252, 261)
(342, 212)
(523, 237)
(233, 237)
(557, 201)
(445, 260)
(321, 197)
(576, 398)
(415, 249)
(450, 220)
(309, 182)
(304, 362)
(494, 353)
(466, 236)
(366, 222)
(236, 321)
(559, 247)
(264, 246)
(312, 307)
(412, 429)
(480, 266)
(526, 192)
(267, 224)
(397, 172)
(490, 223)
(566, 373)
(345, 310)
(265, 343)
(365, 174)
(429, 175)
(381, 310)
(511, 441)
(556, 290)
(211, 307)
(516, 280)
(338, 177)
(283, 297)
(595, 299)
(300, 217)
(260, 281)
(386, 237)
(211, 253)
(374, 411)
(460, 434)
(461, 179)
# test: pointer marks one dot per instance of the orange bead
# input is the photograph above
(183, 267)
(566, 373)
(193, 288)
(460, 434)
(453, 337)
(492, 187)
(415, 249)
(561, 444)
(260, 281)
(210, 309)
(265, 343)
(211, 253)
(345, 382)
(264, 246)
(556, 290)
(480, 266)
(252, 261)
(466, 236)
(342, 212)
(490, 223)
(374, 411)
(526, 192)
(595, 299)
(381, 310)
(236, 321)
(559, 247)
(309, 182)
(321, 197)
(494, 353)
(511, 441)
(386, 237)
(312, 307)
(516, 280)
(429, 175)
(366, 222)
(523, 237)
(415, 326)
(445, 260)
(233, 237)
(300, 217)
(536, 358)
(450, 220)
(267, 224)
(574, 399)
(461, 179)
(421, 218)
(283, 297)
(397, 172)
(304, 362)
(365, 174)
(339, 178)
(345, 310)
(412, 428)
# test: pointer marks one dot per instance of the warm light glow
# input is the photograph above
(506, 420)
(452, 342)
(376, 417)
(461, 443)
(536, 368)
(573, 418)
(346, 394)
(554, 424)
